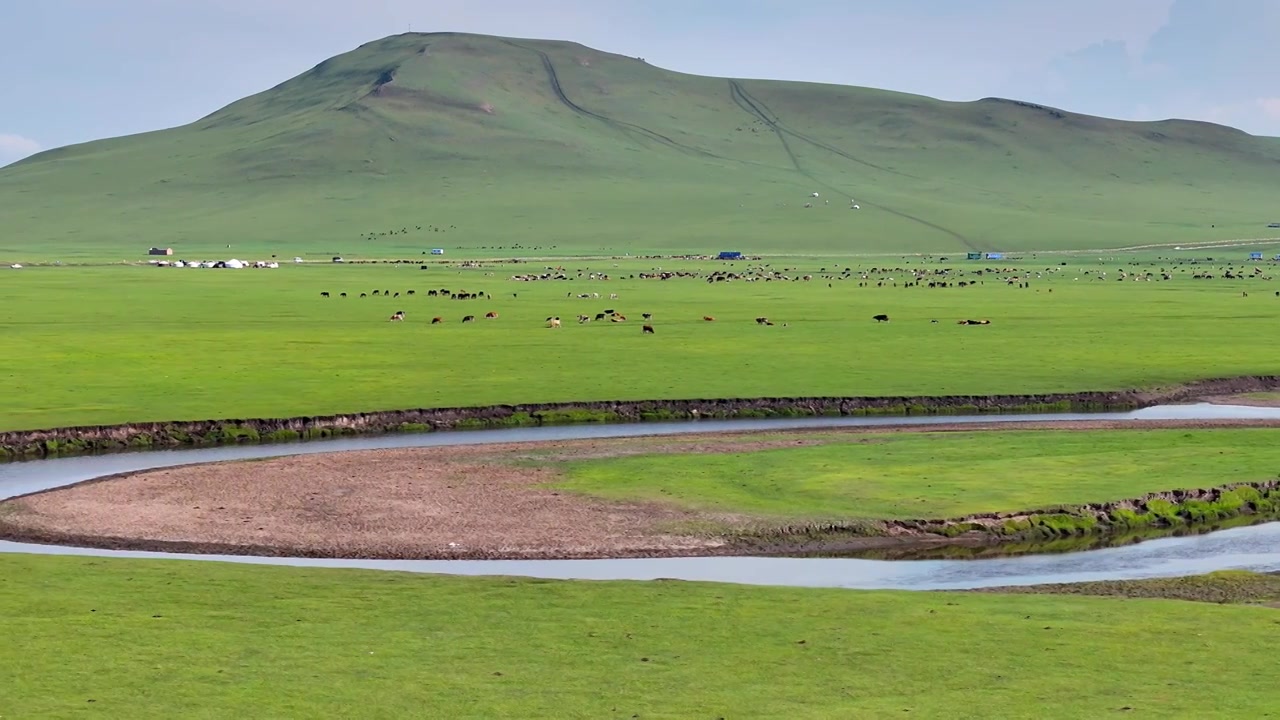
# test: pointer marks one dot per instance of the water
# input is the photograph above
(1248, 548)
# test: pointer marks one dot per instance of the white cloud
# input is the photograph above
(16, 147)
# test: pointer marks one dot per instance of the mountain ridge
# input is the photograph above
(556, 125)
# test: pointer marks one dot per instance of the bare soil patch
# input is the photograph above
(412, 503)
(490, 501)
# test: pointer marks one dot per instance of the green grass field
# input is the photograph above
(145, 639)
(469, 136)
(103, 345)
(936, 475)
(489, 148)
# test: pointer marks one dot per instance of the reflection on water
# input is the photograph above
(1255, 547)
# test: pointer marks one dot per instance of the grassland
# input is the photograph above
(116, 344)
(903, 476)
(164, 639)
(483, 145)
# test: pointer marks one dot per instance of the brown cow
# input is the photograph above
(491, 315)
(647, 330)
(708, 318)
(437, 320)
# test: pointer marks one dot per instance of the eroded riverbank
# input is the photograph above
(58, 442)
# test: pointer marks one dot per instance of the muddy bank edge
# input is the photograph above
(21, 444)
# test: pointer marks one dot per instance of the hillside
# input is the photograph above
(488, 142)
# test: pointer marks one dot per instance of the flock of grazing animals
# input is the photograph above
(885, 318)
(611, 315)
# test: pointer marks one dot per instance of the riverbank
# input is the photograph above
(1229, 587)
(60, 442)
(527, 500)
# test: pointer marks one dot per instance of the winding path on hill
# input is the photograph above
(1255, 548)
(759, 110)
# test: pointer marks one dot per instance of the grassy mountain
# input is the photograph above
(489, 142)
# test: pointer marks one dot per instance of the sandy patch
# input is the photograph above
(410, 503)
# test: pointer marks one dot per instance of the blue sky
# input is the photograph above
(78, 70)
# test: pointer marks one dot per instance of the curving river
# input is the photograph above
(1251, 548)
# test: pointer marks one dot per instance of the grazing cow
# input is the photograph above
(364, 294)
(608, 312)
(708, 318)
(398, 316)
(433, 293)
(647, 316)
(410, 292)
(375, 293)
(344, 294)
(647, 330)
(396, 295)
(974, 322)
(468, 318)
(762, 320)
(491, 315)
(437, 320)
(880, 318)
(553, 322)
(584, 319)
(324, 294)
(613, 296)
(599, 316)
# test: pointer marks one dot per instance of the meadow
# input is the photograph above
(148, 639)
(493, 148)
(124, 343)
(935, 475)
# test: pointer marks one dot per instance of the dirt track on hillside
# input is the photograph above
(423, 503)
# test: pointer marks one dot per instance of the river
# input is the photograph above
(1252, 548)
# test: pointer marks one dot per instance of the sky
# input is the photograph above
(79, 70)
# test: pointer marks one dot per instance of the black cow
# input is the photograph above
(881, 318)
(324, 294)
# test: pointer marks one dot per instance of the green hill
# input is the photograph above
(488, 142)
